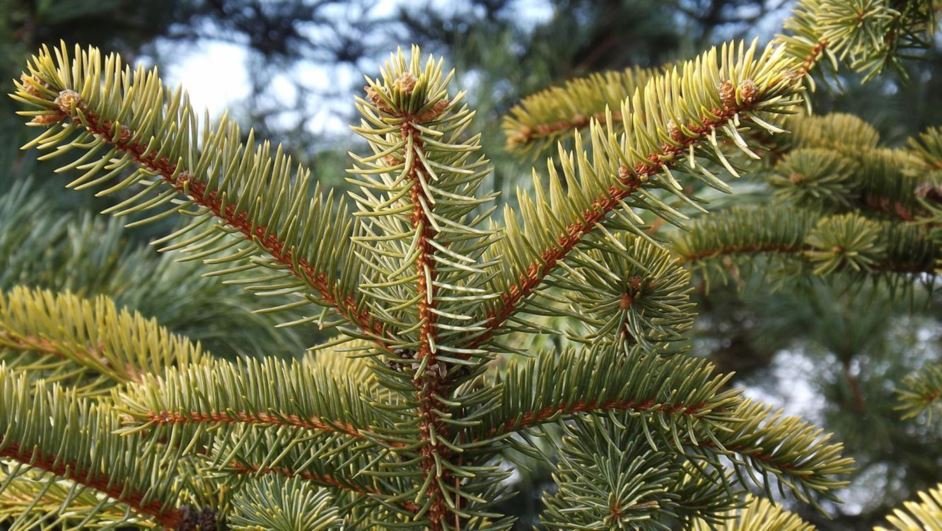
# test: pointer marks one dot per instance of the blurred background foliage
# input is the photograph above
(826, 352)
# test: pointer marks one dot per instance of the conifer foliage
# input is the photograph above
(408, 417)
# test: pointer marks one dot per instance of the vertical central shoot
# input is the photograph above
(422, 241)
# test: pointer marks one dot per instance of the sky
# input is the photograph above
(216, 75)
(213, 73)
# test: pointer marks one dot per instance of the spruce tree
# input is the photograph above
(408, 415)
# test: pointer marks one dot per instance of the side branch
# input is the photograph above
(606, 379)
(627, 182)
(528, 419)
(91, 342)
(89, 356)
(812, 59)
(163, 418)
(798, 251)
(542, 118)
(536, 272)
(830, 243)
(187, 184)
(168, 517)
(261, 392)
(921, 393)
(801, 455)
(527, 135)
(769, 84)
(325, 480)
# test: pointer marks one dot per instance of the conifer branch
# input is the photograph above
(87, 344)
(633, 292)
(402, 425)
(673, 397)
(67, 438)
(21, 493)
(799, 455)
(428, 381)
(92, 256)
(54, 465)
(917, 515)
(420, 190)
(323, 480)
(263, 392)
(610, 477)
(875, 185)
(866, 35)
(249, 192)
(350, 473)
(921, 393)
(538, 121)
(279, 503)
(353, 472)
(602, 380)
(838, 131)
(835, 164)
(759, 442)
(927, 148)
(757, 515)
(723, 90)
(825, 244)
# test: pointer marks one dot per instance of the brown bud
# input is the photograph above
(626, 300)
(376, 99)
(47, 119)
(371, 93)
(674, 132)
(519, 138)
(124, 136)
(748, 91)
(31, 84)
(728, 94)
(434, 111)
(68, 100)
(405, 83)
